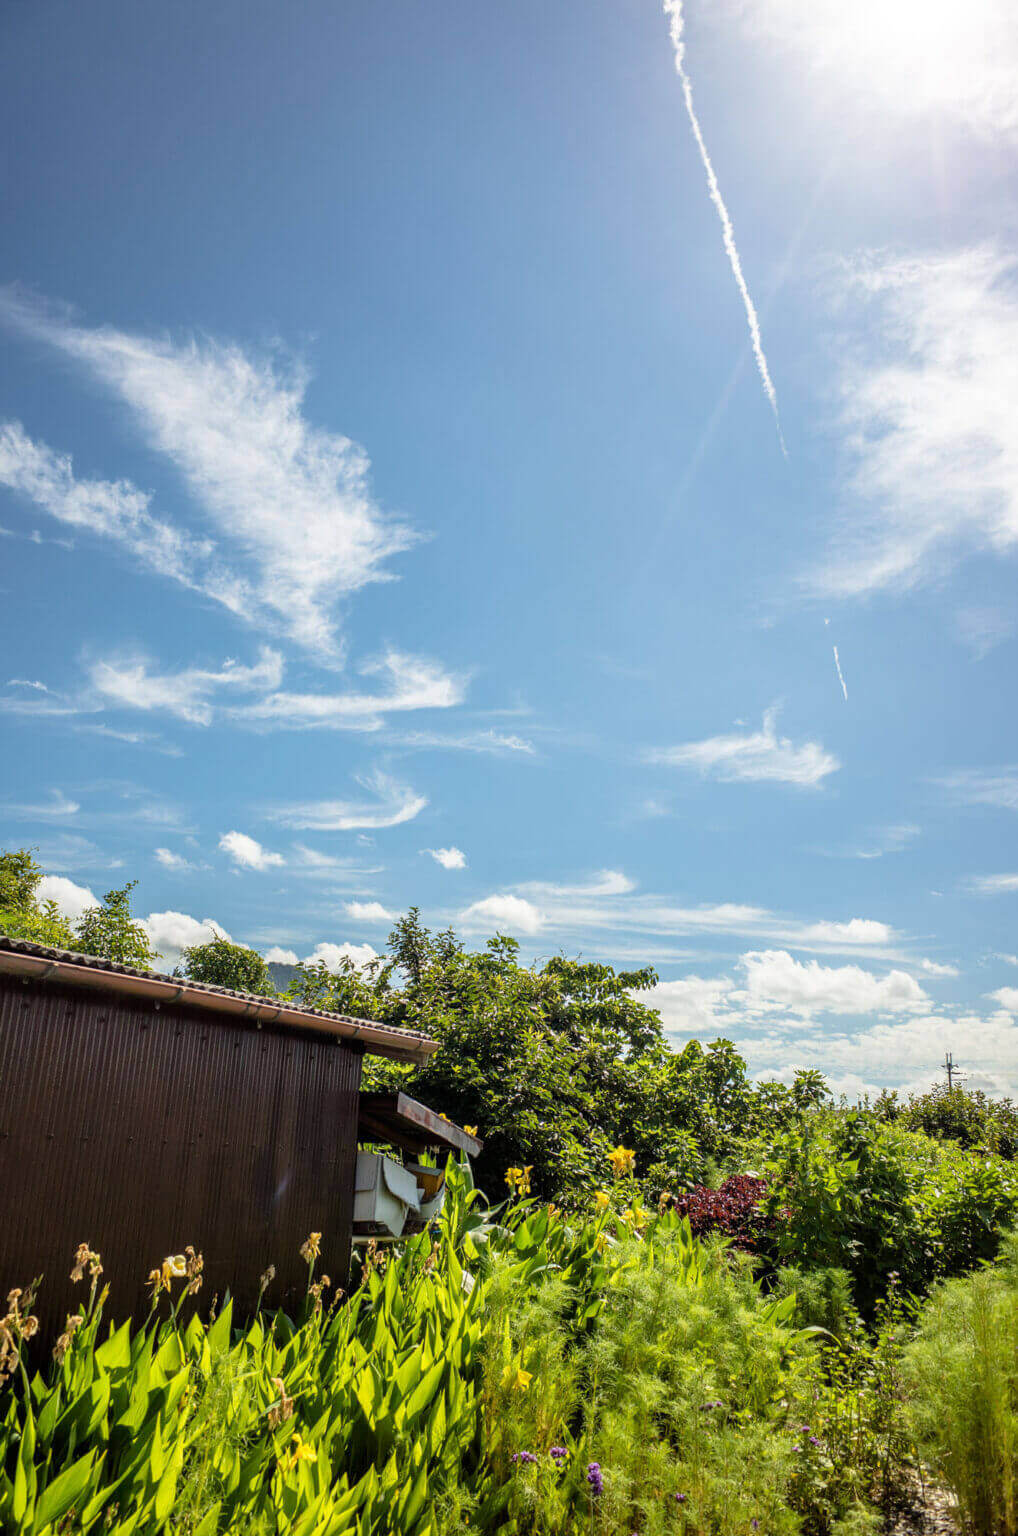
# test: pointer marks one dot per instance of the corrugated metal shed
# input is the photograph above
(140, 1114)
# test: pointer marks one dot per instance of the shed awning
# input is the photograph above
(399, 1121)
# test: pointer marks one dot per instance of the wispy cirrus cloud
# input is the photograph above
(202, 695)
(931, 440)
(753, 756)
(991, 885)
(983, 786)
(390, 805)
(113, 509)
(876, 843)
(289, 503)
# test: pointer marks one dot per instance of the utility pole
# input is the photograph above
(951, 1070)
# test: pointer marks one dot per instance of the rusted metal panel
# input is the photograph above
(140, 1129)
(404, 1122)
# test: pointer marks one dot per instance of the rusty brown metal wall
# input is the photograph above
(141, 1129)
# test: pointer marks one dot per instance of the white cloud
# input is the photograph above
(24, 682)
(278, 956)
(931, 439)
(412, 683)
(170, 860)
(953, 63)
(449, 858)
(172, 932)
(129, 683)
(1007, 997)
(112, 509)
(289, 501)
(57, 805)
(368, 912)
(876, 843)
(72, 900)
(858, 930)
(332, 955)
(607, 882)
(753, 756)
(495, 743)
(246, 853)
(773, 976)
(393, 804)
(991, 885)
(502, 912)
(693, 1005)
(935, 969)
(984, 786)
(981, 629)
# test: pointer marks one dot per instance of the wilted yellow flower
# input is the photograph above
(63, 1344)
(601, 1242)
(622, 1161)
(193, 1266)
(602, 1199)
(283, 1410)
(83, 1257)
(311, 1247)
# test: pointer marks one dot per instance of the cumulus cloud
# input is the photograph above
(858, 930)
(504, 912)
(393, 803)
(931, 440)
(449, 858)
(937, 970)
(333, 955)
(71, 899)
(289, 502)
(774, 976)
(1007, 997)
(170, 933)
(279, 956)
(753, 756)
(247, 853)
(368, 912)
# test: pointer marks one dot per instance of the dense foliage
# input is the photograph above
(222, 964)
(525, 1372)
(107, 929)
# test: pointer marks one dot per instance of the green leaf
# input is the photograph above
(64, 1491)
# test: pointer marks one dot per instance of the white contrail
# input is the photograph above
(676, 27)
(841, 679)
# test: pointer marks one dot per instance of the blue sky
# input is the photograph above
(392, 510)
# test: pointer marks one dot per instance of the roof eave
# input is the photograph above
(377, 1040)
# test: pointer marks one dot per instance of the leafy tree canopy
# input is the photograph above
(110, 931)
(222, 964)
(22, 916)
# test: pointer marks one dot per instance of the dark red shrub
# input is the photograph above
(732, 1209)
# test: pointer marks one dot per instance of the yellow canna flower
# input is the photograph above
(523, 1379)
(602, 1199)
(622, 1161)
(299, 1452)
(601, 1242)
(471, 1130)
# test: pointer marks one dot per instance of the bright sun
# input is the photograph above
(914, 56)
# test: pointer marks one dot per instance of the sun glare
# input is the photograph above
(909, 55)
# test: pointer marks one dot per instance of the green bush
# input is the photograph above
(962, 1373)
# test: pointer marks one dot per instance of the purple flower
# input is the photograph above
(558, 1453)
(804, 1428)
(755, 1523)
(680, 1498)
(595, 1479)
(813, 1440)
(524, 1457)
(796, 1447)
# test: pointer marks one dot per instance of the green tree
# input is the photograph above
(21, 914)
(222, 964)
(109, 930)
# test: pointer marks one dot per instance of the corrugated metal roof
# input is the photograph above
(40, 960)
